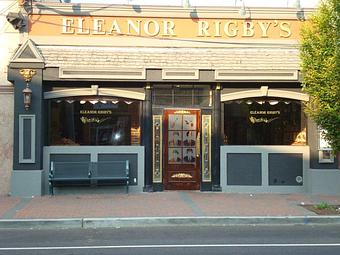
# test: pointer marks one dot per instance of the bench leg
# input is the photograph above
(50, 186)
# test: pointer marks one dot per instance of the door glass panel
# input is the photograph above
(182, 139)
(182, 149)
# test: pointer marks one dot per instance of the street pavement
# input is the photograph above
(231, 239)
(176, 207)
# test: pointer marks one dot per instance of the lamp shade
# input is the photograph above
(27, 93)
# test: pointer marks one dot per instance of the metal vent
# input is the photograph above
(180, 74)
(256, 75)
(119, 74)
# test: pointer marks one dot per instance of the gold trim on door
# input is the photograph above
(206, 148)
(157, 148)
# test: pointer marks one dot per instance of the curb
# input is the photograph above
(41, 223)
(163, 221)
(214, 221)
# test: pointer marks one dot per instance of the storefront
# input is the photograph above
(196, 99)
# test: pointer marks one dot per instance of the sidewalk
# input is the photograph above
(168, 204)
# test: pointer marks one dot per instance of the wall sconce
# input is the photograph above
(17, 20)
(27, 74)
(243, 12)
(186, 3)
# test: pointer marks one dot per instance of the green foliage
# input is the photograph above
(322, 206)
(320, 56)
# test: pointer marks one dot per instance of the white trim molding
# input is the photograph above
(257, 75)
(180, 74)
(104, 74)
(30, 46)
(95, 92)
(264, 91)
(122, 93)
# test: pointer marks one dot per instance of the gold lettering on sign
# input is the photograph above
(181, 176)
(248, 29)
(134, 26)
(167, 28)
(217, 29)
(98, 27)
(67, 27)
(231, 32)
(264, 112)
(81, 30)
(148, 30)
(92, 120)
(203, 27)
(264, 28)
(95, 112)
(259, 120)
(285, 29)
(115, 29)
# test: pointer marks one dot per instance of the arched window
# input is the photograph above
(264, 121)
(94, 120)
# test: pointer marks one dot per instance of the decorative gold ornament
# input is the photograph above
(27, 74)
(181, 175)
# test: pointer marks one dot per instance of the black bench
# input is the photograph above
(88, 173)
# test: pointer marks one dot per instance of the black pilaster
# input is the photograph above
(216, 139)
(147, 138)
(35, 109)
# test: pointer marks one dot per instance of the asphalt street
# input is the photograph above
(231, 239)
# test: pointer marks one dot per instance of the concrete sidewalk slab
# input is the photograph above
(178, 207)
(7, 203)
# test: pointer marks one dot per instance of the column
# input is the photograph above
(29, 134)
(216, 139)
(147, 138)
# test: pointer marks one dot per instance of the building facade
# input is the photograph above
(202, 99)
(9, 40)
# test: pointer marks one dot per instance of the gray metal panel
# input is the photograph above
(244, 169)
(73, 151)
(27, 183)
(284, 168)
(133, 162)
(324, 181)
(264, 151)
(27, 139)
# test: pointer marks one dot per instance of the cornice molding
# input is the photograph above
(6, 89)
(166, 11)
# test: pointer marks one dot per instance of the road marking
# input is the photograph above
(171, 246)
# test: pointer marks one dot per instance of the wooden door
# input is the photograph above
(182, 149)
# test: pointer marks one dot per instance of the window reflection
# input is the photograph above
(264, 121)
(94, 121)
